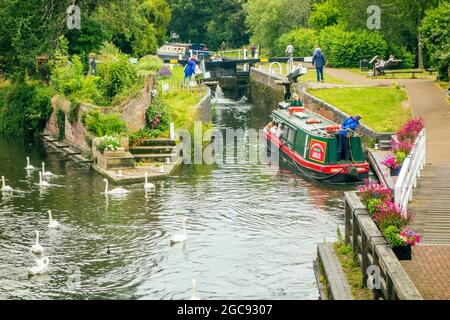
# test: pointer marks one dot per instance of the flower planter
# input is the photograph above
(403, 252)
(395, 172)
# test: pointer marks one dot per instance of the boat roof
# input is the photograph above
(298, 120)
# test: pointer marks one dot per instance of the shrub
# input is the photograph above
(117, 76)
(392, 235)
(104, 124)
(374, 205)
(107, 143)
(345, 49)
(157, 116)
(138, 137)
(148, 65)
(73, 112)
(25, 108)
(303, 40)
(391, 214)
(374, 190)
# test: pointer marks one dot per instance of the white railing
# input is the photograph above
(411, 169)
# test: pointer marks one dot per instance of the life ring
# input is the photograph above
(313, 121)
(333, 128)
(296, 109)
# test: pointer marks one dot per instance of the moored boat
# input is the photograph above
(308, 143)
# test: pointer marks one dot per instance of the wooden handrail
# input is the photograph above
(371, 249)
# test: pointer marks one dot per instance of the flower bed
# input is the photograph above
(402, 145)
(107, 143)
(390, 218)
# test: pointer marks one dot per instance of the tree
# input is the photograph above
(210, 22)
(436, 34)
(325, 14)
(158, 14)
(268, 19)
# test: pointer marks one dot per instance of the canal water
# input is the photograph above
(252, 230)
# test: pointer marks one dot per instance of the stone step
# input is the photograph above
(160, 157)
(70, 151)
(79, 158)
(151, 150)
(50, 139)
(157, 142)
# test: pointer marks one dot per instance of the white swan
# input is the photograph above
(194, 291)
(46, 173)
(180, 237)
(42, 182)
(40, 267)
(148, 185)
(5, 188)
(37, 248)
(162, 170)
(29, 167)
(114, 191)
(52, 224)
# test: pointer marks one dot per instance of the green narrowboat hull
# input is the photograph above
(310, 149)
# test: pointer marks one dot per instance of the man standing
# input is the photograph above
(290, 50)
(189, 70)
(347, 129)
(319, 62)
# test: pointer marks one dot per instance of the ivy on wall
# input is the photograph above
(61, 122)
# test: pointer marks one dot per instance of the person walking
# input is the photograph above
(347, 129)
(189, 70)
(290, 50)
(319, 62)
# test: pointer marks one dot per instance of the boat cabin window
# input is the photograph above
(291, 136)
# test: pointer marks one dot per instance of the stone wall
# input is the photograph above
(204, 107)
(264, 92)
(134, 108)
(74, 133)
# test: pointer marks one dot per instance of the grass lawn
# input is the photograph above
(382, 108)
(181, 101)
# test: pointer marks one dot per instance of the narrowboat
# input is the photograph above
(308, 144)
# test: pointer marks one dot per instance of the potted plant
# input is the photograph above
(391, 163)
(397, 243)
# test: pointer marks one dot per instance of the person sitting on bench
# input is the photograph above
(347, 129)
(380, 66)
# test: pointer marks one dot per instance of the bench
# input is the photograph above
(413, 72)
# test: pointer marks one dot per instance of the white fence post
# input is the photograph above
(413, 164)
(172, 131)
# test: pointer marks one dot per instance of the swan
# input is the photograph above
(120, 174)
(5, 188)
(52, 224)
(114, 191)
(29, 167)
(162, 170)
(148, 185)
(42, 183)
(194, 291)
(180, 237)
(40, 267)
(46, 173)
(37, 248)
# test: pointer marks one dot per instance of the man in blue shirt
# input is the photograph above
(347, 128)
(319, 62)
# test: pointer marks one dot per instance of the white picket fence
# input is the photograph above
(411, 170)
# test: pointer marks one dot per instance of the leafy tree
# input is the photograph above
(210, 21)
(436, 34)
(158, 14)
(268, 19)
(325, 14)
